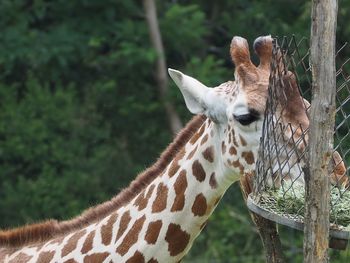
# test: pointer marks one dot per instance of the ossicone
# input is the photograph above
(245, 70)
(263, 48)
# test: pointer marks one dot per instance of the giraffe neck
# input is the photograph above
(161, 223)
(174, 208)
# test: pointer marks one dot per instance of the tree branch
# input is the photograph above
(161, 69)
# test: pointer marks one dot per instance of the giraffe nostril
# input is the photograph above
(246, 119)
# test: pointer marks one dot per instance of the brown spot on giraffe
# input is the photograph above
(159, 203)
(223, 147)
(56, 240)
(233, 150)
(249, 157)
(142, 200)
(237, 164)
(152, 260)
(174, 167)
(72, 242)
(21, 257)
(208, 154)
(136, 258)
(71, 260)
(243, 141)
(45, 257)
(177, 239)
(87, 246)
(180, 186)
(150, 191)
(199, 206)
(152, 232)
(192, 153)
(107, 229)
(212, 181)
(198, 171)
(96, 257)
(198, 134)
(181, 154)
(131, 237)
(123, 224)
(234, 141)
(205, 139)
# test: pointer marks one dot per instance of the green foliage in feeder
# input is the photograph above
(290, 198)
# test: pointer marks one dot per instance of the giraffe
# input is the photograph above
(293, 133)
(158, 217)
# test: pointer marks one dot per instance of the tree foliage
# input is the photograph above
(80, 114)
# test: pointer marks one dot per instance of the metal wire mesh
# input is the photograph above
(283, 147)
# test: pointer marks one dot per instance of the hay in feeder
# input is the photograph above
(291, 201)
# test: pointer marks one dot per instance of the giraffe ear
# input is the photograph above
(194, 92)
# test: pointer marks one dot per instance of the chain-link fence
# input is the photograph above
(279, 183)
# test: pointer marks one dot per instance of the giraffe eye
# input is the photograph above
(246, 119)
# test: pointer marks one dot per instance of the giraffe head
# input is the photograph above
(237, 107)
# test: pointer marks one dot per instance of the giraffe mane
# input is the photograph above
(46, 230)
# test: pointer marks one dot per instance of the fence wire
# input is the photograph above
(279, 184)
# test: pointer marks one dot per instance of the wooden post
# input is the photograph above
(322, 116)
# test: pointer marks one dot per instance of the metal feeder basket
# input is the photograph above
(278, 192)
